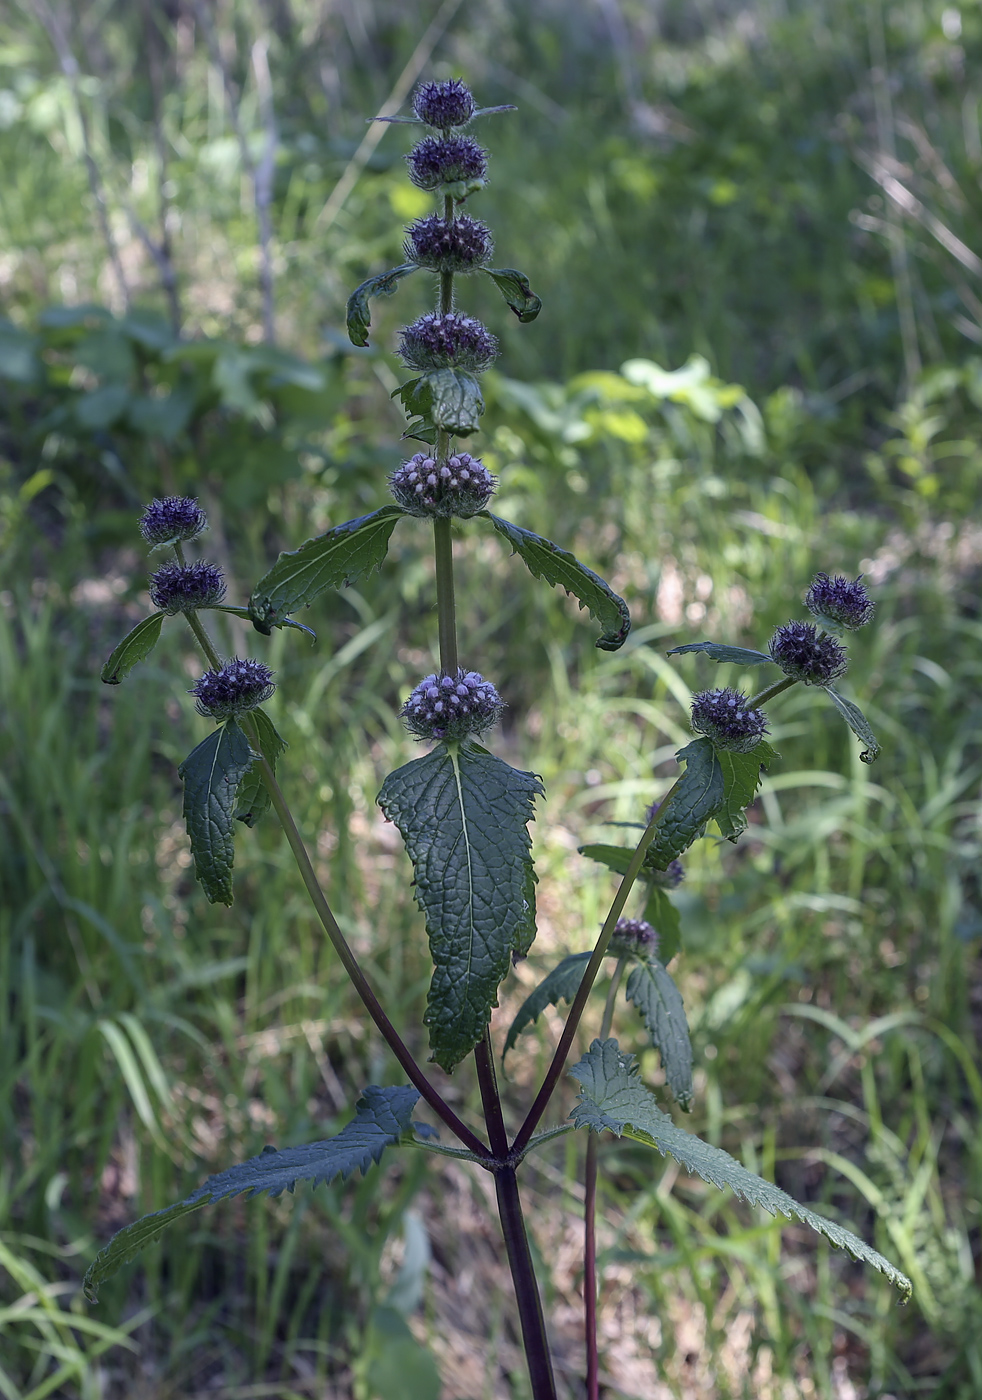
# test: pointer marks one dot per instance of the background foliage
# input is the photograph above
(753, 227)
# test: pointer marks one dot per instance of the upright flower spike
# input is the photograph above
(449, 245)
(444, 105)
(460, 486)
(452, 707)
(173, 519)
(839, 601)
(723, 716)
(178, 588)
(634, 936)
(807, 655)
(447, 341)
(445, 160)
(238, 686)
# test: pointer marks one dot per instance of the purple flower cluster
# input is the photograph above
(449, 245)
(460, 486)
(444, 105)
(172, 519)
(236, 687)
(634, 936)
(452, 707)
(807, 655)
(443, 160)
(723, 716)
(839, 601)
(178, 588)
(447, 341)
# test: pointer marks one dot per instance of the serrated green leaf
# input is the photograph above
(613, 1099)
(358, 315)
(857, 722)
(561, 984)
(211, 774)
(739, 656)
(330, 560)
(253, 797)
(741, 779)
(456, 401)
(136, 646)
(662, 915)
(514, 287)
(698, 797)
(546, 560)
(381, 1117)
(652, 991)
(464, 814)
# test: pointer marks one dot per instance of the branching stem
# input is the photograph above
(770, 691)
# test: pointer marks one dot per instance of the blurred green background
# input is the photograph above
(775, 207)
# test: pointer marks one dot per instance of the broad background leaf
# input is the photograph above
(136, 646)
(381, 1117)
(463, 814)
(211, 774)
(652, 991)
(857, 722)
(253, 798)
(613, 1098)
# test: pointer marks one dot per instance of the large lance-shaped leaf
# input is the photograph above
(741, 779)
(463, 815)
(699, 796)
(857, 722)
(381, 1117)
(657, 998)
(558, 567)
(359, 317)
(740, 656)
(212, 773)
(135, 646)
(561, 984)
(328, 561)
(613, 1098)
(514, 287)
(253, 796)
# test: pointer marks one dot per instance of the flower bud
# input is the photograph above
(805, 655)
(452, 707)
(443, 160)
(449, 245)
(447, 341)
(178, 588)
(723, 716)
(840, 602)
(444, 105)
(634, 936)
(172, 519)
(236, 687)
(460, 486)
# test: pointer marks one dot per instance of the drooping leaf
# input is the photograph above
(456, 401)
(253, 798)
(662, 915)
(740, 656)
(857, 722)
(359, 316)
(381, 1117)
(463, 815)
(136, 646)
(514, 287)
(266, 628)
(699, 795)
(741, 779)
(328, 561)
(557, 566)
(613, 1098)
(656, 996)
(212, 773)
(561, 984)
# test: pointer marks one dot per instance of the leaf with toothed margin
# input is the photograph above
(699, 796)
(857, 722)
(136, 646)
(464, 814)
(613, 1099)
(381, 1118)
(546, 560)
(211, 774)
(741, 779)
(253, 797)
(330, 560)
(739, 656)
(514, 287)
(561, 984)
(358, 315)
(652, 991)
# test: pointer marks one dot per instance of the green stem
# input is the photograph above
(590, 976)
(763, 696)
(590, 1215)
(446, 608)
